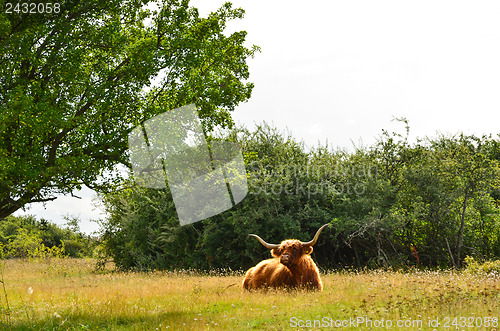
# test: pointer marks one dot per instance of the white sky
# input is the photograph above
(341, 70)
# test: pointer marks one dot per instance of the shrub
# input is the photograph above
(486, 267)
(26, 237)
(29, 245)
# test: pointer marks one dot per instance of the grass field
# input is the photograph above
(67, 294)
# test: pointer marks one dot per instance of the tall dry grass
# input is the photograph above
(67, 294)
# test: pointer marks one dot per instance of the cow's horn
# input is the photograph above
(270, 246)
(312, 242)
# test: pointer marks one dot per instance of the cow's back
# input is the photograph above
(268, 273)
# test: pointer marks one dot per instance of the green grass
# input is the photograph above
(66, 294)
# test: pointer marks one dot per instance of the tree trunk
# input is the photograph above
(452, 260)
(460, 234)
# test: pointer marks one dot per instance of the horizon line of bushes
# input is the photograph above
(393, 204)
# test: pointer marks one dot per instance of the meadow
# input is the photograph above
(61, 294)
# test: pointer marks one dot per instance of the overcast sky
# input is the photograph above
(342, 70)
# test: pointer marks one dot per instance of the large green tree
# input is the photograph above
(74, 82)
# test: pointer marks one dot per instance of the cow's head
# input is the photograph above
(290, 251)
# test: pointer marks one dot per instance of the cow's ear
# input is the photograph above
(276, 252)
(307, 250)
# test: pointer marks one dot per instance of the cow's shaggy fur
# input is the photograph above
(291, 267)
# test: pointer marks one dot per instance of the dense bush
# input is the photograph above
(482, 268)
(391, 204)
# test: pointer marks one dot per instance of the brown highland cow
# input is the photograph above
(291, 267)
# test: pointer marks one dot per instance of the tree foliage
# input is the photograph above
(26, 237)
(74, 83)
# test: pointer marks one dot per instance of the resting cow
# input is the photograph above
(291, 267)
